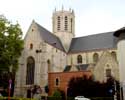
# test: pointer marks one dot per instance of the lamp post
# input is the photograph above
(10, 82)
(115, 90)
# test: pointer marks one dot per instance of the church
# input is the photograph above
(60, 51)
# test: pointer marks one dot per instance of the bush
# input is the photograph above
(94, 98)
(57, 93)
(102, 98)
(70, 98)
(54, 98)
(16, 98)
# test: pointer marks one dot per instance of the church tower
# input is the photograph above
(64, 26)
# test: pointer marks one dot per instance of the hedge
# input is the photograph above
(102, 98)
(16, 98)
(56, 98)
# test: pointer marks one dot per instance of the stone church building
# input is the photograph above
(60, 51)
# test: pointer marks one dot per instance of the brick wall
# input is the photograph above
(64, 78)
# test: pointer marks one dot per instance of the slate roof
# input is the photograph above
(82, 67)
(67, 68)
(93, 42)
(50, 38)
(81, 44)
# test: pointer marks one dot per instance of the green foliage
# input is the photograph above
(54, 98)
(70, 98)
(11, 44)
(102, 98)
(83, 86)
(57, 93)
(16, 98)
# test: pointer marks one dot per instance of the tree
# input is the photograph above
(113, 87)
(11, 45)
(87, 87)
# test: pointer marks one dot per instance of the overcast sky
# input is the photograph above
(91, 16)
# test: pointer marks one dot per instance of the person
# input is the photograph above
(0, 95)
(29, 92)
(37, 92)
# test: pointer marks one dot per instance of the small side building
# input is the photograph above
(60, 80)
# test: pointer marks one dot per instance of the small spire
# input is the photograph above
(72, 11)
(55, 9)
(69, 9)
(33, 21)
(62, 8)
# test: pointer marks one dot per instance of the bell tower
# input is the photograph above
(64, 26)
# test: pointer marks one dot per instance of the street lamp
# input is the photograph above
(115, 90)
(10, 82)
(13, 61)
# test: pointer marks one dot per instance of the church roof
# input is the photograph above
(93, 42)
(118, 32)
(67, 68)
(50, 38)
(82, 67)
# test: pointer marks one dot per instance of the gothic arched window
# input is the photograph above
(79, 59)
(95, 57)
(48, 63)
(30, 71)
(113, 53)
(31, 46)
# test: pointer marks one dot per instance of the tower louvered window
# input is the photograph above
(66, 23)
(71, 25)
(58, 23)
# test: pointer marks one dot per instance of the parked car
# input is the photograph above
(81, 98)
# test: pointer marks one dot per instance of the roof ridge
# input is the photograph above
(94, 34)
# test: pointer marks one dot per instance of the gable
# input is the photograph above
(106, 59)
(32, 36)
(39, 33)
